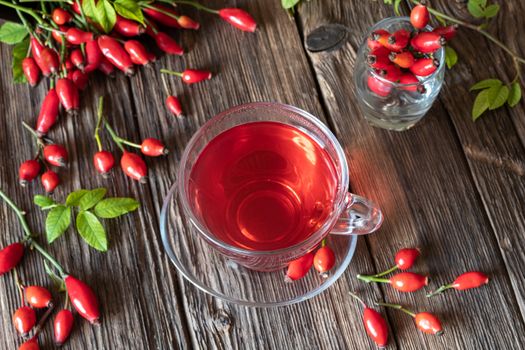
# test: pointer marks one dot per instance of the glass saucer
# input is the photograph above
(216, 275)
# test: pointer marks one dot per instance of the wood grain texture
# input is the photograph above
(428, 193)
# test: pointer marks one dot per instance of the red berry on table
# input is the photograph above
(83, 299)
(137, 52)
(28, 171)
(167, 44)
(31, 344)
(38, 297)
(55, 155)
(372, 40)
(68, 95)
(134, 166)
(299, 267)
(419, 16)
(447, 32)
(467, 280)
(424, 66)
(50, 181)
(79, 78)
(77, 58)
(402, 59)
(116, 54)
(127, 27)
(192, 76)
(405, 258)
(174, 105)
(428, 323)
(378, 86)
(62, 326)
(188, 23)
(239, 19)
(398, 40)
(324, 260)
(375, 324)
(31, 70)
(24, 319)
(153, 148)
(103, 161)
(427, 42)
(48, 112)
(408, 281)
(60, 16)
(10, 256)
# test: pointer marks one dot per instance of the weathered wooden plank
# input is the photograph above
(269, 65)
(137, 288)
(424, 185)
(494, 145)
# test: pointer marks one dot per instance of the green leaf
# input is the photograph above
(491, 11)
(514, 94)
(43, 201)
(74, 198)
(475, 9)
(12, 33)
(114, 207)
(487, 83)
(88, 6)
(288, 4)
(129, 9)
(57, 222)
(451, 57)
(92, 231)
(58, 282)
(396, 7)
(19, 53)
(91, 198)
(481, 104)
(499, 99)
(105, 15)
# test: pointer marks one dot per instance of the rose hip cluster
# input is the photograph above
(405, 56)
(426, 322)
(33, 297)
(50, 155)
(323, 261)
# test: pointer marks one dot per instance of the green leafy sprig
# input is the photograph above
(90, 207)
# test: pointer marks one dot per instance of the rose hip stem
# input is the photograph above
(467, 280)
(100, 110)
(29, 235)
(119, 140)
(425, 321)
(405, 259)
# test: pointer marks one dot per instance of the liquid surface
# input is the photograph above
(262, 186)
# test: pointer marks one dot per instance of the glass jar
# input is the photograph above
(395, 106)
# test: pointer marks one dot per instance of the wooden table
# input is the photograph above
(450, 186)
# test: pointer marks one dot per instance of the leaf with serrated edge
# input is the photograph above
(74, 197)
(491, 11)
(500, 99)
(114, 207)
(487, 83)
(129, 9)
(481, 104)
(43, 201)
(91, 198)
(19, 53)
(451, 57)
(514, 94)
(12, 33)
(105, 15)
(92, 231)
(57, 222)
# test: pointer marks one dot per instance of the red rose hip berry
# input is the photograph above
(50, 181)
(28, 171)
(55, 155)
(38, 297)
(62, 326)
(24, 319)
(153, 148)
(134, 167)
(83, 299)
(467, 280)
(298, 268)
(10, 256)
(375, 324)
(103, 161)
(419, 16)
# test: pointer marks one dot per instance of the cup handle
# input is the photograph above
(360, 217)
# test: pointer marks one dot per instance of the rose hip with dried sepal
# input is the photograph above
(55, 155)
(28, 171)
(152, 147)
(373, 42)
(425, 321)
(404, 282)
(134, 167)
(299, 267)
(77, 58)
(83, 299)
(427, 42)
(50, 181)
(467, 280)
(174, 105)
(378, 58)
(190, 76)
(10, 256)
(424, 66)
(404, 259)
(68, 95)
(116, 54)
(375, 324)
(403, 59)
(62, 326)
(38, 297)
(103, 162)
(137, 52)
(409, 78)
(24, 319)
(127, 27)
(398, 40)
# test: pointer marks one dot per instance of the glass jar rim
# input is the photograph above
(339, 202)
(378, 76)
